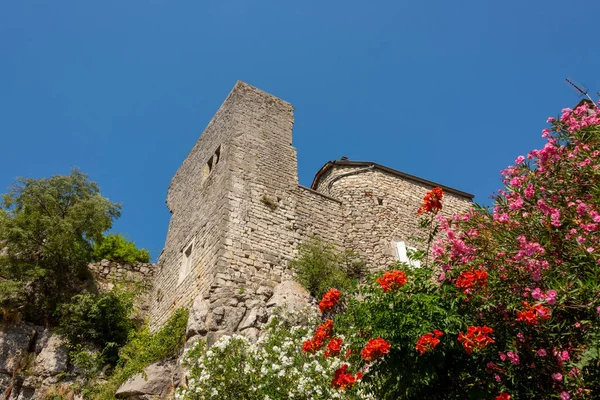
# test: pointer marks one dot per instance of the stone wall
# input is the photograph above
(380, 208)
(106, 273)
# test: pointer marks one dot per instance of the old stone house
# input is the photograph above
(238, 214)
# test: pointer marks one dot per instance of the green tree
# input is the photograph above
(47, 230)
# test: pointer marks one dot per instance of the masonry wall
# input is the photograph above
(379, 209)
(198, 198)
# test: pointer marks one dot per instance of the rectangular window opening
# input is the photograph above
(217, 155)
(186, 262)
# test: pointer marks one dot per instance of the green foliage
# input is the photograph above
(143, 349)
(47, 227)
(115, 247)
(319, 267)
(101, 319)
(401, 317)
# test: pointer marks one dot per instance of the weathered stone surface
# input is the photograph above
(5, 381)
(53, 358)
(291, 296)
(197, 318)
(15, 341)
(156, 383)
(42, 338)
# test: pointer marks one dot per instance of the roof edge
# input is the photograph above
(348, 163)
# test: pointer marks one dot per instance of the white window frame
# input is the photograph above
(402, 254)
(186, 261)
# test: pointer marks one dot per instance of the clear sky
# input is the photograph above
(451, 91)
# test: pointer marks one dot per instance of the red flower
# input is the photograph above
(329, 300)
(375, 349)
(533, 315)
(428, 341)
(309, 346)
(468, 280)
(476, 338)
(432, 202)
(333, 347)
(392, 280)
(503, 396)
(322, 333)
(342, 379)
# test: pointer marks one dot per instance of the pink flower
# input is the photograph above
(563, 355)
(537, 294)
(519, 160)
(529, 191)
(551, 297)
(564, 396)
(542, 353)
(557, 376)
(514, 357)
(598, 308)
(502, 356)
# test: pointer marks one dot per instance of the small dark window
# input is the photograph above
(380, 201)
(217, 155)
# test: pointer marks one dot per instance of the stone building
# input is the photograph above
(238, 214)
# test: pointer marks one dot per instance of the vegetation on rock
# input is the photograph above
(319, 267)
(115, 247)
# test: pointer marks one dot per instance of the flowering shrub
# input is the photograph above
(272, 368)
(509, 308)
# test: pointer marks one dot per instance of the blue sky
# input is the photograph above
(449, 91)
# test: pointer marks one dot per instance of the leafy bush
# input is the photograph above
(319, 267)
(115, 247)
(143, 349)
(47, 227)
(101, 319)
(273, 368)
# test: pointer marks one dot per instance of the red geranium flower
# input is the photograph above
(334, 347)
(342, 379)
(476, 338)
(330, 299)
(375, 349)
(469, 280)
(503, 396)
(533, 315)
(432, 202)
(392, 280)
(322, 333)
(428, 341)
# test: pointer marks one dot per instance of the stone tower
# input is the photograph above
(238, 214)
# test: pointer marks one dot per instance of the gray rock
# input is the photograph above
(43, 335)
(254, 318)
(197, 318)
(15, 341)
(5, 381)
(53, 358)
(292, 296)
(157, 382)
(252, 334)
